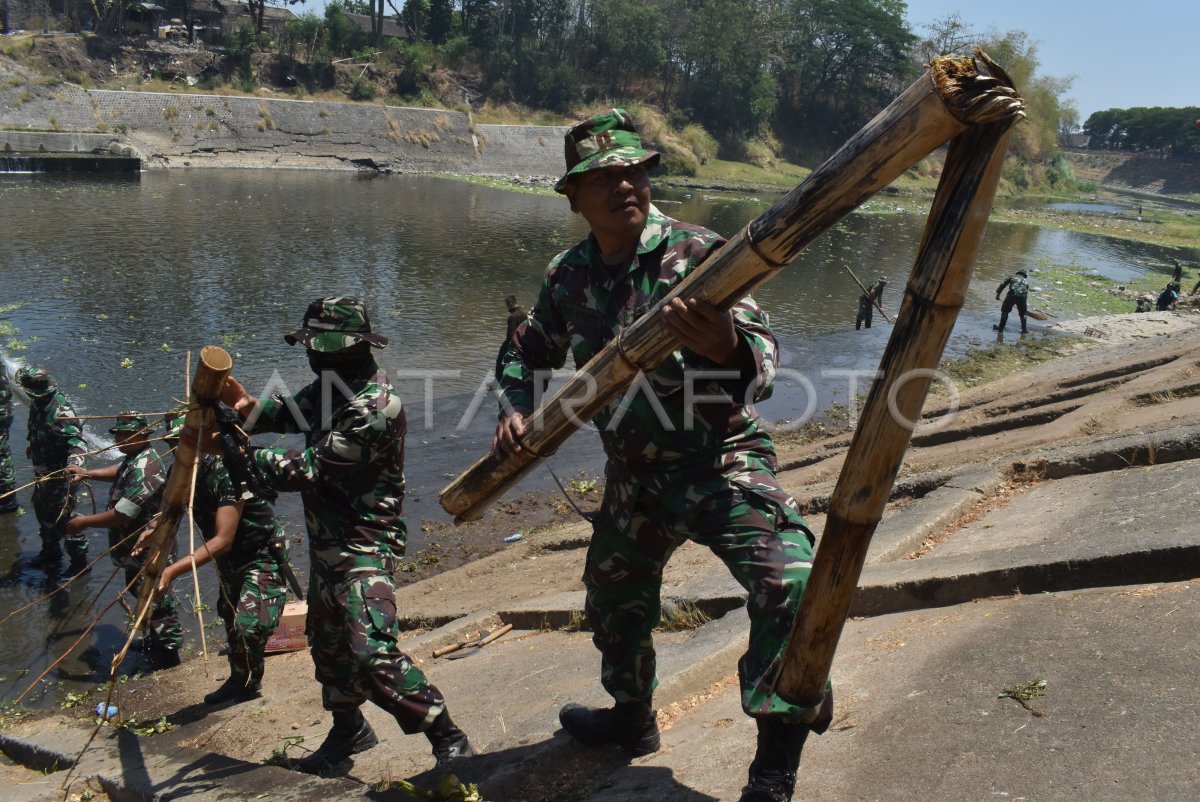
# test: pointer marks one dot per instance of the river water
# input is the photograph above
(107, 283)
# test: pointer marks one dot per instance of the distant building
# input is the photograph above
(1076, 140)
(234, 14)
(391, 28)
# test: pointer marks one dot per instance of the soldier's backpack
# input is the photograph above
(1019, 286)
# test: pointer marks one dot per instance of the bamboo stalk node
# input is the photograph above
(762, 257)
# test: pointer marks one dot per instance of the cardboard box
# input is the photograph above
(289, 635)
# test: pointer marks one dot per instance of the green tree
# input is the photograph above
(415, 16)
(1034, 144)
(626, 42)
(837, 63)
(1169, 131)
(441, 17)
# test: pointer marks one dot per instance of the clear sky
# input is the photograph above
(1122, 54)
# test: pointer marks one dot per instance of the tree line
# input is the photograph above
(795, 77)
(1171, 132)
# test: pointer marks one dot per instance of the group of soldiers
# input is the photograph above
(676, 471)
(241, 532)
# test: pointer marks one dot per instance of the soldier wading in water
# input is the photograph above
(351, 477)
(705, 474)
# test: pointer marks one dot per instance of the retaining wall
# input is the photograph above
(168, 129)
(534, 150)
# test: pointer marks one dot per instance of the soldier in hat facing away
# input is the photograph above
(351, 475)
(8, 477)
(866, 303)
(675, 472)
(55, 441)
(133, 504)
(1018, 292)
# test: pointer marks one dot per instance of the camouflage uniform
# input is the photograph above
(251, 586)
(351, 477)
(136, 493)
(866, 304)
(55, 441)
(676, 471)
(8, 477)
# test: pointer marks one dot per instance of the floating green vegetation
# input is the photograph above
(126, 363)
(1075, 290)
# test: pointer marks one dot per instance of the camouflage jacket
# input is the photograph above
(6, 407)
(136, 493)
(55, 434)
(351, 472)
(583, 304)
(259, 536)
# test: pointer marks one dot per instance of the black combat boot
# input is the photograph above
(630, 725)
(773, 772)
(449, 742)
(78, 565)
(9, 505)
(350, 735)
(234, 690)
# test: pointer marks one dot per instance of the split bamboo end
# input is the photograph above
(976, 89)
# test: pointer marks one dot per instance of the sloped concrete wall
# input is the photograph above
(526, 150)
(195, 128)
(169, 129)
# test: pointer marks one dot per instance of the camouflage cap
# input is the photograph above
(606, 139)
(333, 324)
(130, 422)
(37, 382)
(883, 279)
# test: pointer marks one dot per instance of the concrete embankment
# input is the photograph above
(196, 130)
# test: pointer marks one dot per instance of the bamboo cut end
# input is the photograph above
(976, 89)
(216, 358)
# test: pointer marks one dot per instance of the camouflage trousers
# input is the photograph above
(54, 505)
(746, 519)
(251, 602)
(354, 638)
(8, 477)
(165, 632)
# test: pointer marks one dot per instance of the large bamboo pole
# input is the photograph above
(215, 365)
(953, 95)
(935, 293)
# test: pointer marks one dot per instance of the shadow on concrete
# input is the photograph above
(551, 771)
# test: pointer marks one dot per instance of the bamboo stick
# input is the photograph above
(935, 293)
(953, 95)
(214, 365)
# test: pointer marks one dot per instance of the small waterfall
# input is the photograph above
(18, 164)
